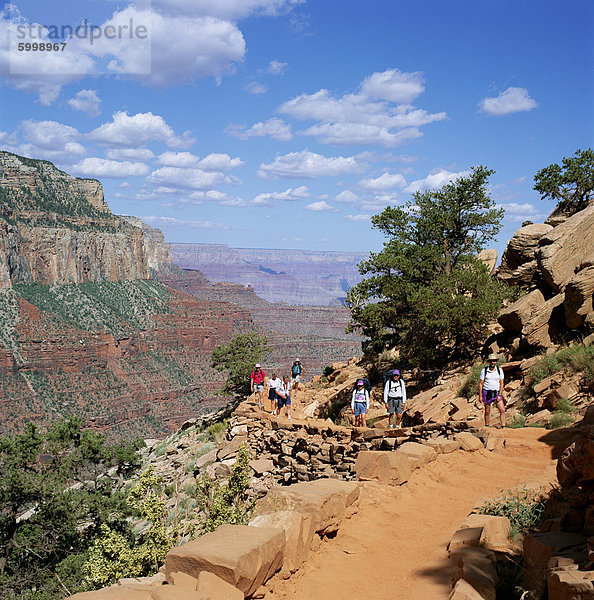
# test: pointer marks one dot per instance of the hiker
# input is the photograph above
(273, 382)
(395, 398)
(283, 395)
(297, 373)
(257, 385)
(360, 403)
(491, 389)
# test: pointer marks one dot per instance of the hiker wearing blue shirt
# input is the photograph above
(395, 398)
(360, 404)
(297, 373)
(491, 384)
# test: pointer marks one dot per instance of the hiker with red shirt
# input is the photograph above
(257, 385)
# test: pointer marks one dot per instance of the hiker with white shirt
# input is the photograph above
(395, 398)
(273, 383)
(360, 403)
(491, 384)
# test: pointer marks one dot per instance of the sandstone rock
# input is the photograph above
(325, 499)
(566, 247)
(464, 591)
(518, 263)
(517, 315)
(261, 465)
(230, 449)
(443, 445)
(214, 588)
(577, 461)
(183, 580)
(483, 581)
(116, 592)
(541, 417)
(468, 536)
(385, 466)
(543, 329)
(569, 584)
(205, 459)
(578, 298)
(496, 530)
(468, 441)
(489, 258)
(243, 556)
(299, 531)
(418, 454)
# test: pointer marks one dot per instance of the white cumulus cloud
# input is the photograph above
(521, 212)
(275, 67)
(86, 101)
(511, 100)
(134, 154)
(254, 87)
(358, 218)
(394, 85)
(136, 130)
(102, 167)
(434, 180)
(347, 196)
(385, 181)
(319, 206)
(308, 165)
(273, 198)
(175, 223)
(187, 178)
(275, 128)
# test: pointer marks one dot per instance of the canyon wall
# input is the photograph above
(291, 276)
(55, 228)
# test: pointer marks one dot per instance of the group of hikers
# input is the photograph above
(279, 390)
(491, 384)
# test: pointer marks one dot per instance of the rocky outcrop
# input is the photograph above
(55, 228)
(556, 266)
(158, 253)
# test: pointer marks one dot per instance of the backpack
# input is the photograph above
(388, 376)
(484, 372)
(296, 369)
(366, 384)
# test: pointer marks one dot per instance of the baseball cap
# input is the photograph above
(257, 365)
(360, 382)
(395, 372)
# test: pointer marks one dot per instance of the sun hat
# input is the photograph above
(492, 357)
(297, 360)
(257, 365)
(395, 372)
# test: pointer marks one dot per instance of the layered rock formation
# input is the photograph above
(555, 265)
(292, 276)
(55, 228)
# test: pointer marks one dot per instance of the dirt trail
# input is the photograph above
(394, 546)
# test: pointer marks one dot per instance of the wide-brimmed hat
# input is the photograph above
(492, 357)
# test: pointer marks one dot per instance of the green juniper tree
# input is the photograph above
(570, 184)
(239, 358)
(425, 291)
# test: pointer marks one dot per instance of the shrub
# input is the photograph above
(517, 422)
(522, 507)
(546, 366)
(470, 386)
(328, 371)
(217, 430)
(559, 419)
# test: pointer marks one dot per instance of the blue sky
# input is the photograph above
(287, 123)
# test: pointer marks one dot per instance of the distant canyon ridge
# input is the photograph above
(305, 277)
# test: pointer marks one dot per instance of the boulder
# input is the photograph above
(543, 329)
(577, 461)
(565, 248)
(243, 556)
(229, 450)
(481, 579)
(518, 263)
(496, 530)
(182, 580)
(517, 315)
(261, 465)
(326, 500)
(418, 454)
(299, 531)
(442, 445)
(464, 591)
(385, 466)
(579, 293)
(143, 592)
(469, 536)
(489, 258)
(569, 584)
(468, 442)
(214, 588)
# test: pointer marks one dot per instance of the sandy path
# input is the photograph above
(394, 546)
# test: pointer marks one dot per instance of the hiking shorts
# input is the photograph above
(360, 408)
(280, 401)
(296, 379)
(258, 387)
(490, 396)
(271, 394)
(395, 405)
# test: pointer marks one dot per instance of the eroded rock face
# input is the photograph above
(518, 263)
(563, 250)
(579, 299)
